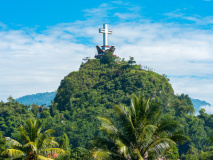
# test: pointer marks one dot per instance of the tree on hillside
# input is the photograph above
(131, 61)
(109, 59)
(139, 133)
(34, 145)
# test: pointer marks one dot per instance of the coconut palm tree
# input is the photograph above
(137, 134)
(34, 145)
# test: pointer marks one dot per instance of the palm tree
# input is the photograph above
(34, 145)
(139, 133)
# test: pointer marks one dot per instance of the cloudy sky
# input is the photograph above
(42, 41)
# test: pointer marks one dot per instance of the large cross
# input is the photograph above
(105, 32)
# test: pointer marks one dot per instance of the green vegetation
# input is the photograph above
(2, 145)
(92, 92)
(131, 61)
(33, 144)
(96, 88)
(138, 133)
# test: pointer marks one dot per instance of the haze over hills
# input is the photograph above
(199, 103)
(38, 98)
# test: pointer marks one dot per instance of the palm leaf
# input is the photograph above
(43, 138)
(158, 147)
(32, 146)
(13, 142)
(53, 150)
(12, 153)
(39, 157)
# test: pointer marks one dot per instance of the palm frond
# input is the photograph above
(102, 143)
(138, 154)
(108, 126)
(24, 136)
(49, 142)
(32, 146)
(53, 150)
(153, 113)
(12, 153)
(138, 133)
(159, 146)
(123, 149)
(168, 126)
(13, 142)
(101, 154)
(43, 139)
(179, 136)
(39, 157)
(126, 122)
(148, 131)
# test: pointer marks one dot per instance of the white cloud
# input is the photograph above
(33, 62)
(209, 109)
(194, 18)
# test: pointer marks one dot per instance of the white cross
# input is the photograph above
(105, 32)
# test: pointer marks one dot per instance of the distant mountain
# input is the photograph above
(46, 98)
(39, 98)
(198, 103)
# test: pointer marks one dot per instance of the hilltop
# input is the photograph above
(99, 85)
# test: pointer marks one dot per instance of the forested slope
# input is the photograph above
(98, 85)
(94, 90)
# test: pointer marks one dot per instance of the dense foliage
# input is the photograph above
(93, 91)
(2, 145)
(34, 145)
(97, 87)
(138, 133)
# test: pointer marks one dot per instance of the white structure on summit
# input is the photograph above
(105, 48)
(146, 68)
(105, 32)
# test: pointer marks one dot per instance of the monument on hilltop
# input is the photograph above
(105, 48)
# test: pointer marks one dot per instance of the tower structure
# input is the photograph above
(105, 48)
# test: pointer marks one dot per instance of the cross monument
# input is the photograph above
(105, 48)
(105, 32)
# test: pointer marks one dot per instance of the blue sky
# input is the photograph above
(42, 41)
(44, 13)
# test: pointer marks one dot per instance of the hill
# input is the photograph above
(97, 84)
(93, 91)
(39, 98)
(198, 103)
(96, 88)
